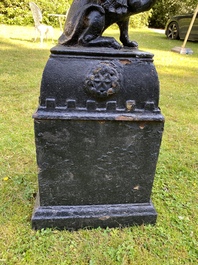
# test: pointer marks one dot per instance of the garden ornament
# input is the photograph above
(88, 19)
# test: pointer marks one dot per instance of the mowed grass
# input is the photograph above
(173, 240)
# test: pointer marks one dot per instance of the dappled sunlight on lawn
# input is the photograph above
(24, 37)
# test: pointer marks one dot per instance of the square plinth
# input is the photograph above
(95, 172)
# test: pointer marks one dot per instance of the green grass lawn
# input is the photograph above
(174, 239)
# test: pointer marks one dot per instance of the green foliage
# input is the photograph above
(140, 20)
(14, 12)
(17, 12)
(163, 9)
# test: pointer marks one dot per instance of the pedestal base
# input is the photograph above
(93, 216)
(98, 130)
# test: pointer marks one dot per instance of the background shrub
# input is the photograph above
(140, 20)
(164, 9)
(17, 12)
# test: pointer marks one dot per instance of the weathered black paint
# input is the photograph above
(98, 131)
(92, 216)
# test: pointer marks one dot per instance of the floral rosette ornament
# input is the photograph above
(103, 80)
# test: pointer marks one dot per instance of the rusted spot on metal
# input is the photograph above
(130, 105)
(142, 125)
(124, 118)
(97, 70)
(110, 91)
(36, 116)
(125, 61)
(103, 218)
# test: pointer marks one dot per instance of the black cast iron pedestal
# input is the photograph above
(98, 131)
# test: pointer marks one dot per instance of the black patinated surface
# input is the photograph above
(98, 130)
(88, 19)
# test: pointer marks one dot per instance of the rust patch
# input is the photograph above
(36, 121)
(142, 125)
(130, 105)
(124, 62)
(124, 118)
(103, 218)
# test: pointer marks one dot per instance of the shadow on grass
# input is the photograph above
(34, 55)
(25, 40)
(48, 41)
